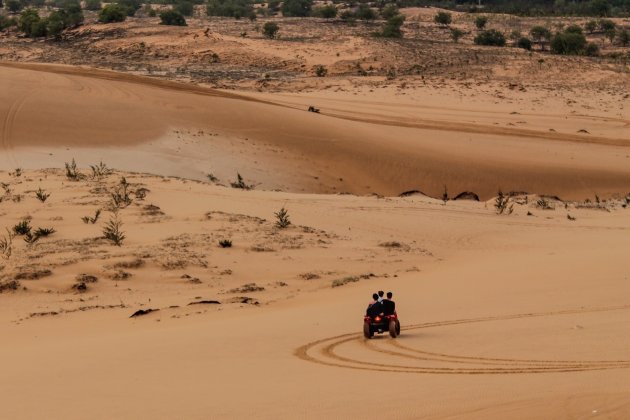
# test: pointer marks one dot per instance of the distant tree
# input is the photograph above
(270, 30)
(93, 4)
(184, 7)
(392, 27)
(541, 35)
(443, 18)
(490, 37)
(600, 7)
(28, 19)
(172, 18)
(515, 35)
(524, 43)
(481, 21)
(112, 13)
(327, 12)
(624, 37)
(568, 43)
(297, 8)
(573, 29)
(456, 34)
(389, 11)
(610, 34)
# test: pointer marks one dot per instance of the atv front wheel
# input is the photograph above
(392, 328)
(367, 331)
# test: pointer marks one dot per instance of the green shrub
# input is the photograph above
(568, 43)
(481, 21)
(456, 34)
(592, 49)
(6, 22)
(14, 6)
(112, 13)
(392, 27)
(490, 37)
(541, 35)
(172, 18)
(28, 19)
(524, 43)
(270, 30)
(282, 219)
(130, 6)
(624, 37)
(320, 71)
(443, 18)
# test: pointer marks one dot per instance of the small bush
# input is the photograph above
(6, 22)
(112, 13)
(72, 173)
(225, 243)
(524, 43)
(389, 11)
(490, 37)
(172, 18)
(481, 21)
(112, 230)
(121, 197)
(296, 8)
(365, 12)
(327, 12)
(229, 8)
(14, 6)
(592, 49)
(320, 71)
(502, 204)
(270, 30)
(184, 7)
(456, 34)
(443, 18)
(92, 220)
(568, 43)
(392, 27)
(42, 195)
(100, 171)
(22, 228)
(240, 183)
(6, 245)
(282, 219)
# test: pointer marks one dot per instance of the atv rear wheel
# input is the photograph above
(367, 331)
(397, 327)
(392, 328)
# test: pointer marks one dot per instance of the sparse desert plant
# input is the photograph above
(22, 228)
(389, 11)
(100, 171)
(121, 195)
(42, 195)
(113, 232)
(17, 173)
(491, 37)
(270, 30)
(240, 183)
(541, 35)
(92, 220)
(445, 195)
(502, 204)
(225, 243)
(282, 218)
(212, 178)
(571, 218)
(6, 244)
(320, 71)
(44, 232)
(72, 173)
(544, 204)
(113, 12)
(524, 43)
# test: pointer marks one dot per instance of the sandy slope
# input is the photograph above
(53, 113)
(504, 316)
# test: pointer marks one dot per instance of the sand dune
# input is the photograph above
(53, 113)
(514, 316)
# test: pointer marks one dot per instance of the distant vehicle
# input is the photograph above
(380, 324)
(313, 109)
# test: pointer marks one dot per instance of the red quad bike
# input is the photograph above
(381, 323)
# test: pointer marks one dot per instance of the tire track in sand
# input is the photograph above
(7, 127)
(325, 352)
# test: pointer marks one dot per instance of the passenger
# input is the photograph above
(375, 307)
(389, 306)
(380, 295)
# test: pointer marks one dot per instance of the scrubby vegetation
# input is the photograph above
(282, 218)
(112, 13)
(173, 18)
(113, 230)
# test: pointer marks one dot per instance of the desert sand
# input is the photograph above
(518, 315)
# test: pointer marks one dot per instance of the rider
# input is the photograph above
(380, 295)
(389, 306)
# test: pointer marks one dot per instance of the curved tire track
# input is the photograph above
(325, 352)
